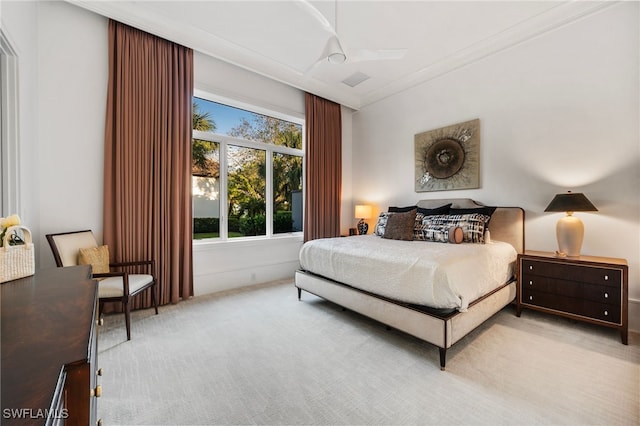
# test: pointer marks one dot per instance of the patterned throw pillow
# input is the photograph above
(400, 226)
(437, 228)
(422, 212)
(484, 210)
(381, 224)
(473, 226)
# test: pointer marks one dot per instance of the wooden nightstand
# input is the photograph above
(585, 288)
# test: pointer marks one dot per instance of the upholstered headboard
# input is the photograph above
(507, 223)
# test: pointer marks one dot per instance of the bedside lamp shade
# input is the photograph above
(570, 229)
(363, 212)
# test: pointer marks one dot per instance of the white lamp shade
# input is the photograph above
(570, 233)
(363, 212)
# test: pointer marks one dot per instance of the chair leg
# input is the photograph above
(154, 297)
(127, 318)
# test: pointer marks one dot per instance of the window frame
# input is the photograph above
(9, 128)
(223, 142)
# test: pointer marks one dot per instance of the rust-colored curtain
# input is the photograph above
(323, 173)
(147, 161)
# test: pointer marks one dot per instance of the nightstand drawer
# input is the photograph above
(578, 290)
(585, 308)
(587, 274)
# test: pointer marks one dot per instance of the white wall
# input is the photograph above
(63, 71)
(559, 112)
(72, 97)
(347, 218)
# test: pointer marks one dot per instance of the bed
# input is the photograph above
(440, 314)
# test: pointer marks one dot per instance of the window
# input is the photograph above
(246, 173)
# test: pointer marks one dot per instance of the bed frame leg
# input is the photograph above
(443, 358)
(299, 292)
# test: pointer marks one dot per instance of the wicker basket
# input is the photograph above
(16, 261)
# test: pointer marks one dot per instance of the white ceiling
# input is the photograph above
(284, 39)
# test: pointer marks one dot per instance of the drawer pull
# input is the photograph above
(530, 282)
(530, 297)
(606, 295)
(606, 313)
(606, 277)
(531, 267)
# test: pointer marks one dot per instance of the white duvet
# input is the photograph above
(438, 275)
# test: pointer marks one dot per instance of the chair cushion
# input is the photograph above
(69, 244)
(113, 287)
(97, 257)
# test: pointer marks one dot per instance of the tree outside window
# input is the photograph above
(261, 155)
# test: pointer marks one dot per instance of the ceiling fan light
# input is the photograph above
(336, 57)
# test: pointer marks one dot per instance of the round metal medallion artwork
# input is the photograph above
(448, 157)
(444, 158)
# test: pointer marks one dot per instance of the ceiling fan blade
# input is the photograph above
(310, 9)
(359, 55)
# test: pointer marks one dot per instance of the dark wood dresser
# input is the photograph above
(585, 288)
(49, 348)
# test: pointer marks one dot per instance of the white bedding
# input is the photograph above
(433, 274)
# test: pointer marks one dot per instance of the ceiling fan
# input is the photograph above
(334, 51)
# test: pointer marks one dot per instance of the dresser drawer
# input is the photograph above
(583, 273)
(609, 312)
(578, 290)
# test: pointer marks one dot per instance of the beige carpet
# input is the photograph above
(260, 356)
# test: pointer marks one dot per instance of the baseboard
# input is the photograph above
(634, 315)
(231, 280)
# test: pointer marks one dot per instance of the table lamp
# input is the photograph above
(570, 229)
(363, 212)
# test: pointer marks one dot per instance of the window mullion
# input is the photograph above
(224, 200)
(269, 193)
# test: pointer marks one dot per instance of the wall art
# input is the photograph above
(448, 158)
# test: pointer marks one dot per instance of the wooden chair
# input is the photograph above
(114, 286)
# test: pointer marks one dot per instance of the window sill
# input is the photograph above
(248, 241)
